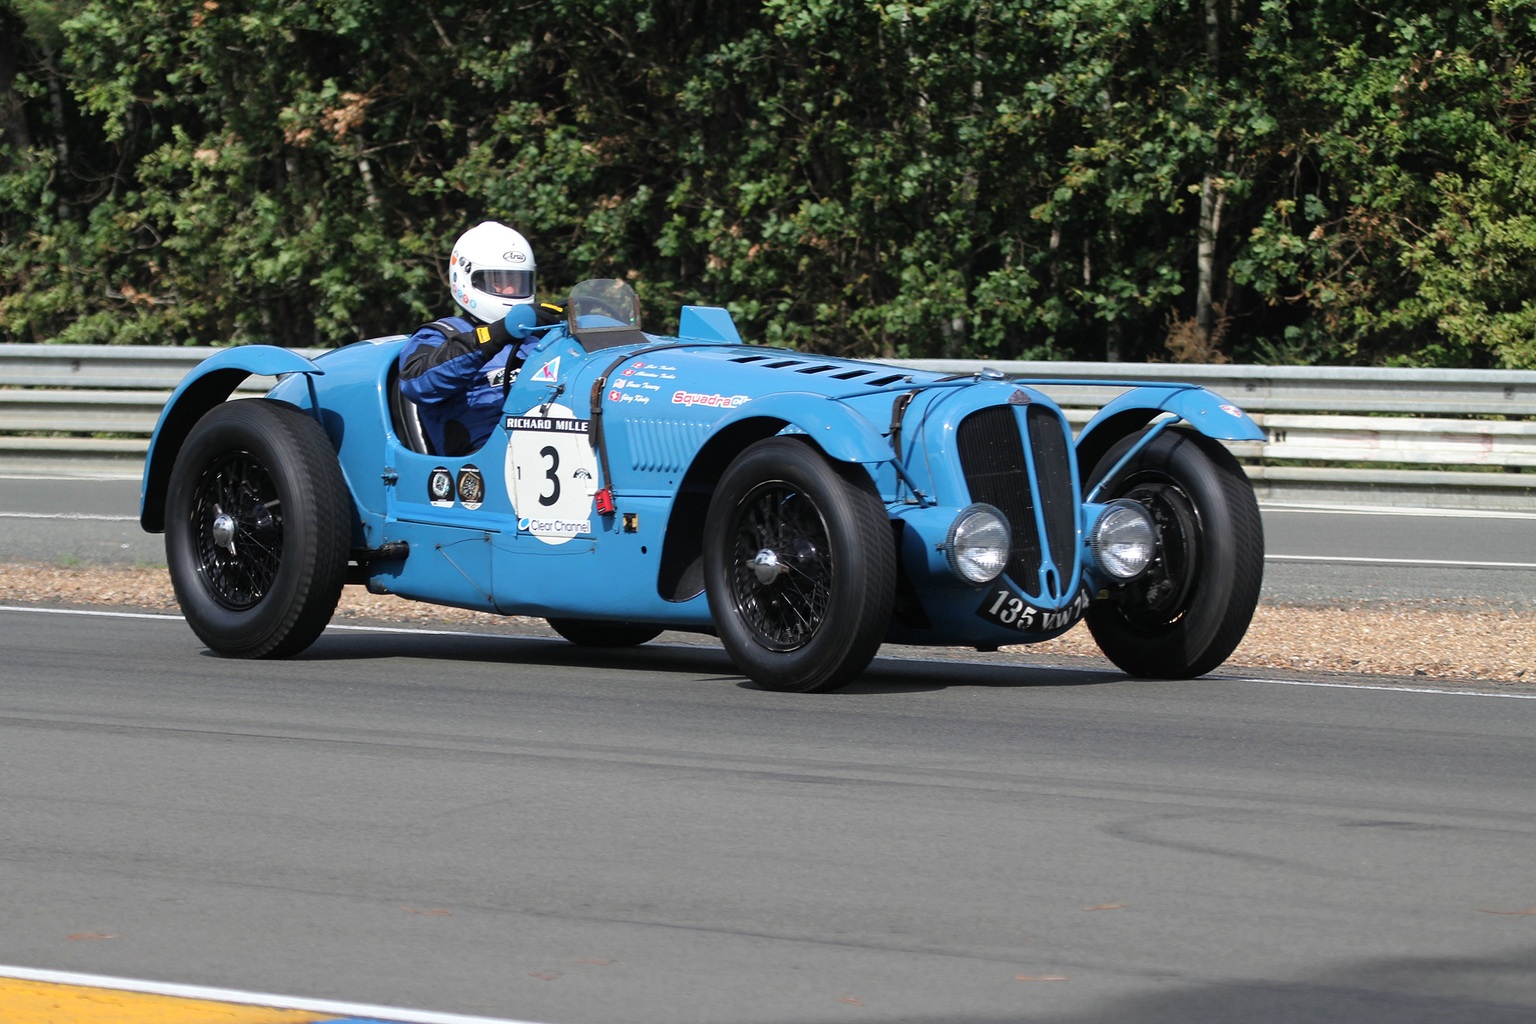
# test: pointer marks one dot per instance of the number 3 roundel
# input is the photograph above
(551, 473)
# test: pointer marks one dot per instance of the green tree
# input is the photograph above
(1251, 179)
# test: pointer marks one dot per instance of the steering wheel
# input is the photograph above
(594, 304)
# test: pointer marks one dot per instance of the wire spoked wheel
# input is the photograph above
(799, 567)
(258, 529)
(238, 529)
(781, 566)
(1162, 594)
(1192, 606)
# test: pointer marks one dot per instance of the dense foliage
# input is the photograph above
(1263, 180)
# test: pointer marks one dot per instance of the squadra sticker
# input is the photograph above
(551, 473)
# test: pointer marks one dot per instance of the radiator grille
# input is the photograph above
(996, 471)
(1053, 478)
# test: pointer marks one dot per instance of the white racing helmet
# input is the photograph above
(490, 271)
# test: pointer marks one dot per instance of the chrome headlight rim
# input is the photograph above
(965, 552)
(1125, 517)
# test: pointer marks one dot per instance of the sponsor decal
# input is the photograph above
(440, 487)
(641, 368)
(691, 398)
(551, 473)
(1004, 606)
(1231, 410)
(549, 424)
(471, 487)
(555, 531)
(549, 372)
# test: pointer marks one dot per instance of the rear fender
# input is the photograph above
(1205, 411)
(210, 384)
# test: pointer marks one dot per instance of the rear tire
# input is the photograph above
(799, 567)
(258, 529)
(587, 633)
(1189, 611)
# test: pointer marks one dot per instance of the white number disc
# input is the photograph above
(551, 473)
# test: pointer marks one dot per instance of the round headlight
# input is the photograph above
(1124, 540)
(978, 544)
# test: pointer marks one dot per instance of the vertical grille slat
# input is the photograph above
(992, 457)
(1053, 474)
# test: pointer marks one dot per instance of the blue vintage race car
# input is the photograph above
(803, 509)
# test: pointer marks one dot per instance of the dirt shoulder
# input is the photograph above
(1463, 643)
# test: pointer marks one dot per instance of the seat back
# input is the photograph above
(406, 420)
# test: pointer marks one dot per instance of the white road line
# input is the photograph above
(89, 611)
(68, 515)
(225, 995)
(1362, 560)
(67, 475)
(546, 639)
(1379, 510)
(1376, 686)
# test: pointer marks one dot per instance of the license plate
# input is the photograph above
(1004, 606)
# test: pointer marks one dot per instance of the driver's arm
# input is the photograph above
(422, 354)
(485, 340)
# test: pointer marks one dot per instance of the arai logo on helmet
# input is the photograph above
(513, 256)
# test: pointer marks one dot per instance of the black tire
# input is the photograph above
(812, 614)
(1189, 611)
(258, 529)
(587, 633)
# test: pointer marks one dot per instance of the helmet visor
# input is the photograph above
(508, 284)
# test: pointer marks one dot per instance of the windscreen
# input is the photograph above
(603, 313)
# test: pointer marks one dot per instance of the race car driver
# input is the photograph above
(455, 369)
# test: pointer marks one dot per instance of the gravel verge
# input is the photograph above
(1424, 641)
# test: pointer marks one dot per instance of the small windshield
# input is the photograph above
(603, 313)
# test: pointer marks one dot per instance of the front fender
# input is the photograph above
(1206, 411)
(211, 383)
(841, 432)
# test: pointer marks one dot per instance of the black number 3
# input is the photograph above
(550, 452)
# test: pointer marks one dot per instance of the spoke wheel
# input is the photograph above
(1188, 612)
(238, 529)
(258, 529)
(800, 567)
(781, 566)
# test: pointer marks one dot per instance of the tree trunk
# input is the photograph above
(1212, 197)
(13, 115)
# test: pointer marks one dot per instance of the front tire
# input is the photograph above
(1189, 611)
(799, 567)
(258, 529)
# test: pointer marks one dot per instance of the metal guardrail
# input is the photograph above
(1445, 438)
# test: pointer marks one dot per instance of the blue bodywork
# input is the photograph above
(515, 528)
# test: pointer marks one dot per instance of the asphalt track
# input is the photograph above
(507, 827)
(513, 828)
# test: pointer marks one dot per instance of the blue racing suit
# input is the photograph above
(457, 381)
